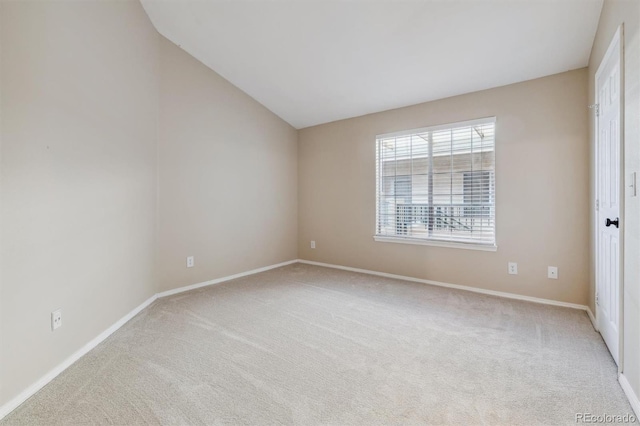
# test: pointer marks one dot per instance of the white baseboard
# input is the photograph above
(631, 395)
(223, 279)
(592, 318)
(624, 383)
(35, 387)
(456, 286)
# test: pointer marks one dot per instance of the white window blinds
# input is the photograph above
(438, 183)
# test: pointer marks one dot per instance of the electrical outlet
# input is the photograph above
(552, 272)
(190, 262)
(56, 319)
(513, 268)
(313, 244)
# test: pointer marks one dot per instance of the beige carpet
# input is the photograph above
(307, 345)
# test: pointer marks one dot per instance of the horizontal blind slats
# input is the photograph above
(438, 184)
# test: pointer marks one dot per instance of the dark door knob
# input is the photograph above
(613, 222)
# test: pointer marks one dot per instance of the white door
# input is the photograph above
(608, 194)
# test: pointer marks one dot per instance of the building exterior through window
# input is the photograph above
(437, 183)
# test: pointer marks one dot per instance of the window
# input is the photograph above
(437, 184)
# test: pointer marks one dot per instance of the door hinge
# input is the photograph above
(597, 299)
(597, 205)
(596, 107)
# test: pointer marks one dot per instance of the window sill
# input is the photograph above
(436, 243)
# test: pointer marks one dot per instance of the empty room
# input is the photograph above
(319, 212)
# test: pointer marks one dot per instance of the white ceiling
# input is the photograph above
(315, 61)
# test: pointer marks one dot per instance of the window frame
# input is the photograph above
(430, 241)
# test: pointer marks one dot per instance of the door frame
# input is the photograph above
(617, 37)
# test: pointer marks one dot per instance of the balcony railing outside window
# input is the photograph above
(438, 183)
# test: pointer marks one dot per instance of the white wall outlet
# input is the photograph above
(513, 268)
(553, 272)
(190, 262)
(313, 244)
(56, 319)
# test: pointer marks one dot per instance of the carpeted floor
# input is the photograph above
(308, 345)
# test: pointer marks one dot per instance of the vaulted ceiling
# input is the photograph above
(315, 61)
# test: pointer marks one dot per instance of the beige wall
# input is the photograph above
(120, 155)
(614, 13)
(542, 175)
(79, 85)
(87, 88)
(228, 177)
